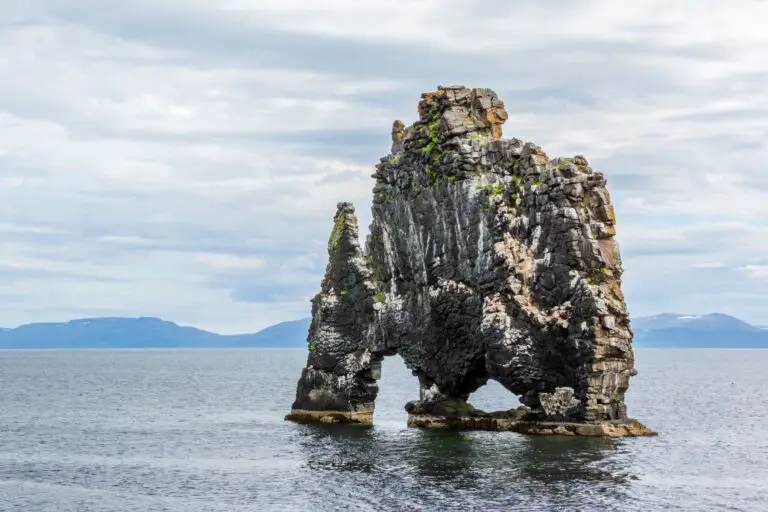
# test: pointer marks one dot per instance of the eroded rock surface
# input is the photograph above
(486, 259)
(339, 382)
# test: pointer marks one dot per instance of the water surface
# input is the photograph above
(187, 431)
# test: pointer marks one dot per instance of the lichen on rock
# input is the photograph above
(486, 259)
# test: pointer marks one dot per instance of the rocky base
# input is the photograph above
(330, 417)
(460, 415)
(511, 423)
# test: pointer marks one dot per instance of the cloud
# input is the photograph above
(184, 158)
(758, 271)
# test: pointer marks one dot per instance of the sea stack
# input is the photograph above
(486, 259)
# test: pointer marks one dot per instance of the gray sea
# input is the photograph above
(203, 430)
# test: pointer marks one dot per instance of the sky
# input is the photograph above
(184, 158)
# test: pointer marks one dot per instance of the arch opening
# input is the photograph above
(397, 386)
(493, 397)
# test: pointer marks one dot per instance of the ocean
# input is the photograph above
(203, 430)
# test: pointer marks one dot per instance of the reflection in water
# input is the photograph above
(556, 466)
(339, 447)
(525, 469)
(555, 459)
(441, 455)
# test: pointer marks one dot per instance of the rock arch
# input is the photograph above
(486, 259)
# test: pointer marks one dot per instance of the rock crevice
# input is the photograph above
(486, 259)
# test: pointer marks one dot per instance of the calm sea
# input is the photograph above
(187, 431)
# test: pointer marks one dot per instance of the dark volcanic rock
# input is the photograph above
(486, 259)
(341, 369)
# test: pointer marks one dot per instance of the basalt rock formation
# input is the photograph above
(486, 259)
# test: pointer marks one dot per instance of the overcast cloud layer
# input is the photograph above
(183, 158)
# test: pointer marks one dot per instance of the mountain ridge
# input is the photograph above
(714, 320)
(665, 330)
(713, 330)
(146, 332)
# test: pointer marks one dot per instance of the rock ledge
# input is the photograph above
(617, 428)
(331, 417)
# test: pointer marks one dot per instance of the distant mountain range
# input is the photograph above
(147, 332)
(661, 331)
(715, 330)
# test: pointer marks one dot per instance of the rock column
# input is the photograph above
(339, 381)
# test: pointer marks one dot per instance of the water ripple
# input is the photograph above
(203, 431)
